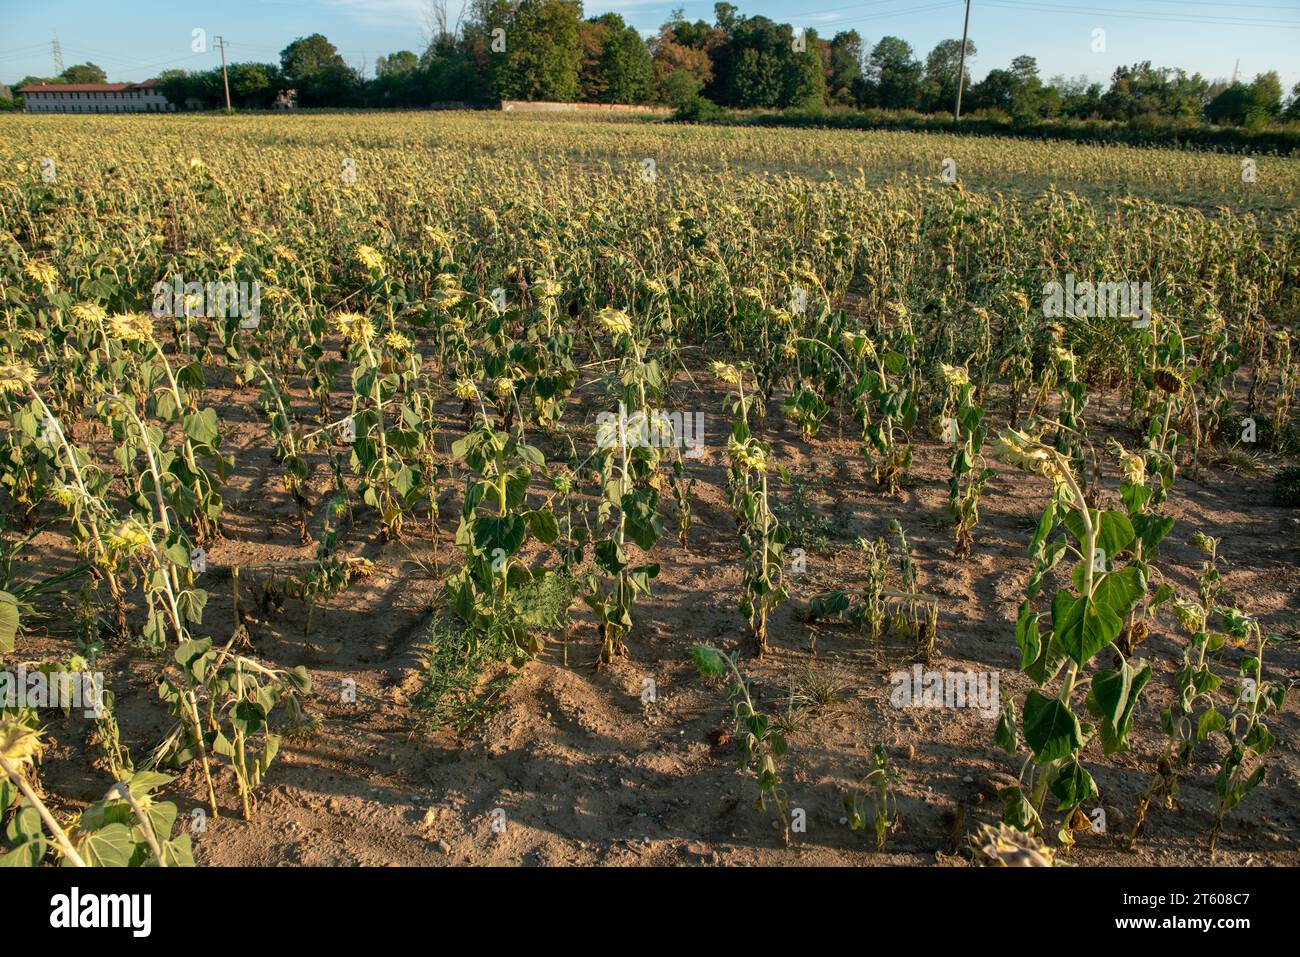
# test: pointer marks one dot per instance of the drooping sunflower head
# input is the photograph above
(16, 377)
(131, 327)
(446, 298)
(1189, 614)
(1006, 846)
(354, 326)
(955, 376)
(615, 320)
(1133, 466)
(41, 272)
(750, 456)
(545, 290)
(129, 538)
(89, 313)
(1023, 451)
(397, 342)
(370, 258)
(1168, 381)
(20, 743)
(726, 372)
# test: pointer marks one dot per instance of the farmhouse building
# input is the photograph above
(95, 98)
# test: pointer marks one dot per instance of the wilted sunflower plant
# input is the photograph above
(224, 703)
(962, 426)
(504, 603)
(626, 465)
(888, 410)
(759, 747)
(1086, 616)
(384, 425)
(192, 467)
(762, 536)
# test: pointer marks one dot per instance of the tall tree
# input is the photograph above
(845, 68)
(592, 35)
(308, 56)
(893, 76)
(684, 48)
(726, 16)
(83, 73)
(542, 55)
(312, 65)
(626, 66)
(395, 64)
(939, 87)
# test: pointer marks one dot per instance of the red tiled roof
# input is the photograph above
(88, 87)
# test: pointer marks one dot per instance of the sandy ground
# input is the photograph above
(586, 773)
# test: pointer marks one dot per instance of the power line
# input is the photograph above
(29, 50)
(125, 63)
(852, 6)
(843, 21)
(1152, 15)
(1230, 6)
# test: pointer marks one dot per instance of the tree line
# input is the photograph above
(546, 50)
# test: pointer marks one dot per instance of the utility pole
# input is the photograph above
(961, 65)
(58, 53)
(221, 42)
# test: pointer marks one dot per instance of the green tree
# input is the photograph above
(626, 66)
(679, 89)
(893, 76)
(83, 73)
(1228, 106)
(542, 55)
(1264, 96)
(1079, 98)
(995, 92)
(306, 57)
(845, 69)
(1239, 104)
(727, 17)
(592, 35)
(1029, 102)
(254, 85)
(1292, 111)
(939, 86)
(312, 65)
(804, 74)
(761, 63)
(396, 64)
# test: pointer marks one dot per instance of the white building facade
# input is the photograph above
(95, 98)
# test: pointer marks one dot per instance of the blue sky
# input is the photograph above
(135, 39)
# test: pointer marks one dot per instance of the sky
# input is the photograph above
(134, 40)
